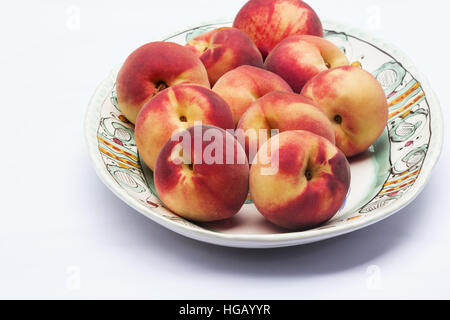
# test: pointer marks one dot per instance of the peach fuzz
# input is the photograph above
(174, 109)
(151, 69)
(355, 103)
(268, 22)
(225, 49)
(311, 183)
(202, 191)
(283, 111)
(297, 59)
(245, 84)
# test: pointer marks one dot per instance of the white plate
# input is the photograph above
(384, 180)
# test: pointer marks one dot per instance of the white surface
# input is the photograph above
(63, 234)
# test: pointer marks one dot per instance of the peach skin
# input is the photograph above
(245, 84)
(311, 183)
(174, 109)
(225, 49)
(299, 58)
(268, 22)
(151, 69)
(282, 111)
(199, 189)
(355, 103)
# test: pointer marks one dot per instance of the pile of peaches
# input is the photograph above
(274, 74)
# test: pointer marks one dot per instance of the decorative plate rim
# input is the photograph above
(293, 238)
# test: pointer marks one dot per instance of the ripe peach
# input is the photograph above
(299, 58)
(225, 49)
(199, 189)
(177, 108)
(310, 185)
(268, 22)
(243, 85)
(355, 103)
(152, 68)
(283, 111)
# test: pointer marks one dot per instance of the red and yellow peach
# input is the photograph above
(245, 84)
(282, 111)
(355, 103)
(199, 189)
(268, 22)
(299, 58)
(225, 49)
(151, 69)
(174, 109)
(310, 185)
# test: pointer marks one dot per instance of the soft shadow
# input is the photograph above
(330, 256)
(360, 157)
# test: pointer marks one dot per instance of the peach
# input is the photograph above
(152, 68)
(283, 111)
(355, 103)
(245, 84)
(199, 189)
(225, 49)
(299, 58)
(310, 185)
(268, 22)
(174, 109)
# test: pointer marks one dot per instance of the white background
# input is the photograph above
(63, 234)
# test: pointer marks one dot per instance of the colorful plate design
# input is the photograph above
(384, 180)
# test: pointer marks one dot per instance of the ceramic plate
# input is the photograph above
(384, 179)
